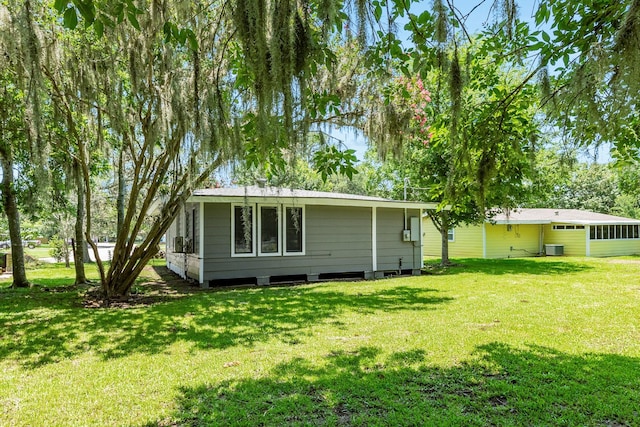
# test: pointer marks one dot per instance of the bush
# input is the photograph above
(59, 249)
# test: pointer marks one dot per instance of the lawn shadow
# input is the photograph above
(511, 266)
(503, 386)
(209, 320)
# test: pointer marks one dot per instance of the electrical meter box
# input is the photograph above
(406, 235)
(415, 229)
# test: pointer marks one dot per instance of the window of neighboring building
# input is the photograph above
(451, 234)
(269, 230)
(568, 227)
(243, 228)
(294, 230)
(614, 232)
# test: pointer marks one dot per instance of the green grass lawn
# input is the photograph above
(38, 252)
(548, 341)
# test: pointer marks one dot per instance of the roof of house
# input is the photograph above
(564, 216)
(268, 194)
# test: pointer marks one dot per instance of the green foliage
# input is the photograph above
(561, 181)
(593, 51)
(330, 160)
(181, 35)
(627, 205)
(481, 146)
(98, 14)
(59, 249)
(172, 90)
(15, 145)
(584, 186)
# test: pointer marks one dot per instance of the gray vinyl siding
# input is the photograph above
(192, 225)
(185, 264)
(391, 248)
(337, 239)
(192, 232)
(175, 262)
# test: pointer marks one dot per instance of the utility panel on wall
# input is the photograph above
(415, 229)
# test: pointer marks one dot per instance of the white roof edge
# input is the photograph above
(570, 221)
(625, 222)
(518, 221)
(315, 201)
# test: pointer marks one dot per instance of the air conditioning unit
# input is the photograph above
(178, 244)
(554, 250)
(188, 245)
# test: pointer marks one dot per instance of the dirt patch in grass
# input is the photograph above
(624, 261)
(431, 269)
(159, 285)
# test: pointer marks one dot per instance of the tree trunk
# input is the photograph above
(85, 254)
(79, 248)
(444, 235)
(13, 218)
(121, 194)
(129, 260)
(67, 262)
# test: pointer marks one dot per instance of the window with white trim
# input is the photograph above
(243, 230)
(451, 234)
(193, 232)
(294, 230)
(614, 232)
(568, 227)
(269, 230)
(274, 230)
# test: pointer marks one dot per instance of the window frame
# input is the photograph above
(567, 227)
(195, 241)
(258, 234)
(451, 234)
(285, 250)
(233, 231)
(256, 230)
(620, 232)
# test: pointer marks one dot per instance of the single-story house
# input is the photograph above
(263, 234)
(533, 232)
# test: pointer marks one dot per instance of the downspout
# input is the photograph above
(374, 239)
(201, 245)
(404, 197)
(421, 242)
